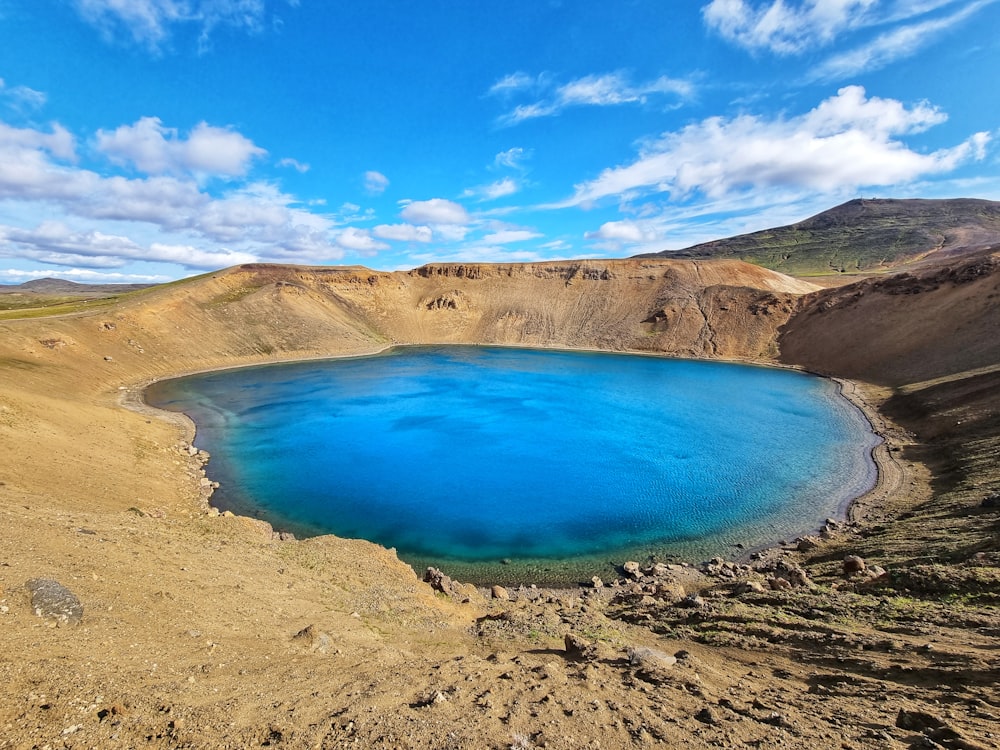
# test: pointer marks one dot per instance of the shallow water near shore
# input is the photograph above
(512, 465)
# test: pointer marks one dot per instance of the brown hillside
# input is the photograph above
(206, 631)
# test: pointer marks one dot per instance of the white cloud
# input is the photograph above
(785, 27)
(359, 241)
(295, 164)
(22, 142)
(155, 149)
(848, 141)
(21, 98)
(82, 275)
(789, 27)
(514, 83)
(622, 231)
(494, 190)
(508, 236)
(375, 182)
(403, 232)
(254, 220)
(150, 23)
(434, 211)
(512, 158)
(606, 90)
(56, 243)
(892, 45)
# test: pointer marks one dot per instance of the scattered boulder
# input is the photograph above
(597, 583)
(580, 648)
(692, 601)
(649, 660)
(632, 570)
(499, 592)
(707, 716)
(312, 639)
(807, 544)
(439, 581)
(749, 587)
(854, 564)
(934, 729)
(777, 583)
(54, 602)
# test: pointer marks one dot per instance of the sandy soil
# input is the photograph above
(201, 630)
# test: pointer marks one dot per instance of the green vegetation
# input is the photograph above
(59, 308)
(860, 236)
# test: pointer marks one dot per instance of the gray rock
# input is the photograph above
(312, 639)
(439, 581)
(54, 602)
(646, 659)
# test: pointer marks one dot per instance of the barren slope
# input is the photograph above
(203, 631)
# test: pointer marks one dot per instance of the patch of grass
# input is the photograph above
(63, 308)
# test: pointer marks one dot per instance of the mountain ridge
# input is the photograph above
(863, 236)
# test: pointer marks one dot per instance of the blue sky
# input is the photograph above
(147, 140)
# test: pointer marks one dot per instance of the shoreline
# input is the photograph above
(888, 480)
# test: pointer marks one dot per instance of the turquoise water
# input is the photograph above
(557, 463)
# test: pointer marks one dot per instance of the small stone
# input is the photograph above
(580, 648)
(596, 582)
(631, 569)
(706, 716)
(646, 659)
(54, 602)
(499, 592)
(854, 564)
(807, 544)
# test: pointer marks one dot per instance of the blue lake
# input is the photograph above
(501, 464)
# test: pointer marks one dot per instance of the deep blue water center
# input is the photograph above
(553, 462)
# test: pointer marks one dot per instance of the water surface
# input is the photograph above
(507, 464)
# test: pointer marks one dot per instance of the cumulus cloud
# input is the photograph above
(622, 232)
(359, 241)
(154, 149)
(102, 220)
(375, 182)
(56, 243)
(847, 142)
(434, 211)
(150, 23)
(403, 232)
(610, 89)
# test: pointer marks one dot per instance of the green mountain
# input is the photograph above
(863, 235)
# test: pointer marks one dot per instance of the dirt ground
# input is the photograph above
(202, 630)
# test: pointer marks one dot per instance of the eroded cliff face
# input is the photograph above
(724, 309)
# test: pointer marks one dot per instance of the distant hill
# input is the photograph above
(61, 286)
(863, 235)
